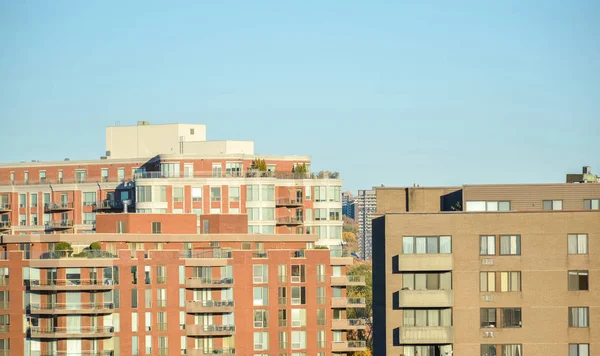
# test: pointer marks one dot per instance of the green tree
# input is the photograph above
(364, 269)
(64, 249)
(259, 164)
(95, 246)
(349, 225)
(350, 240)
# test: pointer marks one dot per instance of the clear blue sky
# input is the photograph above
(386, 92)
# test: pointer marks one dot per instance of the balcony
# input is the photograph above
(201, 282)
(348, 346)
(71, 308)
(71, 284)
(107, 205)
(419, 335)
(426, 298)
(210, 330)
(59, 225)
(214, 257)
(425, 262)
(57, 207)
(348, 281)
(210, 306)
(208, 351)
(348, 303)
(5, 225)
(288, 220)
(288, 202)
(348, 324)
(79, 353)
(5, 207)
(340, 258)
(88, 332)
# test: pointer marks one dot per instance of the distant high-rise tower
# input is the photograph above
(366, 205)
(348, 205)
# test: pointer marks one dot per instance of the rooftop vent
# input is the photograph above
(102, 157)
(67, 159)
(143, 123)
(587, 170)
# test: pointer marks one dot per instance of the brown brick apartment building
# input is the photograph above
(168, 291)
(215, 255)
(513, 271)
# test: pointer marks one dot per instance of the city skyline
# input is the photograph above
(505, 87)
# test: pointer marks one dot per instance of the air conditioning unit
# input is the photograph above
(487, 261)
(488, 334)
(488, 298)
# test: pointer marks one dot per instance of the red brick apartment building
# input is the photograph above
(204, 248)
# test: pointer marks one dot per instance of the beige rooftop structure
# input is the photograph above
(145, 141)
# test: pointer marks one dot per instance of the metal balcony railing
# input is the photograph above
(71, 306)
(59, 206)
(5, 207)
(59, 224)
(250, 173)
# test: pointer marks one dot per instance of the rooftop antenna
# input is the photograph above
(117, 123)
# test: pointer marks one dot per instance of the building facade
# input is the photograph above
(166, 290)
(366, 204)
(487, 270)
(172, 169)
(348, 205)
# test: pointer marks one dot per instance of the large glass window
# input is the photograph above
(487, 281)
(261, 296)
(488, 317)
(578, 244)
(591, 204)
(488, 350)
(233, 169)
(510, 245)
(143, 194)
(579, 317)
(427, 244)
(268, 192)
(170, 170)
(234, 194)
(578, 280)
(579, 349)
(511, 317)
(510, 281)
(197, 194)
(427, 281)
(552, 204)
(427, 317)
(215, 194)
(512, 350)
(89, 198)
(487, 245)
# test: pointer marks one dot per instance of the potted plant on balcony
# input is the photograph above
(64, 249)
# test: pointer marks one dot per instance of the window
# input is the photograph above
(579, 350)
(298, 318)
(298, 295)
(143, 194)
(268, 214)
(510, 245)
(579, 317)
(217, 170)
(552, 204)
(335, 214)
(261, 296)
(80, 176)
(233, 169)
(510, 281)
(591, 204)
(578, 280)
(298, 273)
(134, 346)
(234, 194)
(197, 194)
(320, 194)
(178, 194)
(161, 274)
(320, 214)
(121, 174)
(12, 178)
(89, 198)
(282, 317)
(488, 350)
(335, 232)
(162, 193)
(487, 281)
(253, 214)
(170, 170)
(215, 194)
(298, 340)
(34, 200)
(252, 193)
(260, 273)
(188, 170)
(261, 341)
(488, 317)
(511, 317)
(89, 218)
(427, 317)
(104, 175)
(427, 245)
(487, 245)
(134, 298)
(156, 227)
(261, 318)
(512, 350)
(488, 206)
(578, 244)
(22, 201)
(268, 192)
(335, 194)
(321, 295)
